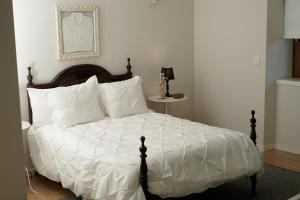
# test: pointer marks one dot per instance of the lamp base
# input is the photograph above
(167, 87)
(168, 95)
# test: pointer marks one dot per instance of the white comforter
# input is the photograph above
(101, 160)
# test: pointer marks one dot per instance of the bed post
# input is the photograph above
(253, 126)
(253, 178)
(129, 73)
(29, 84)
(144, 168)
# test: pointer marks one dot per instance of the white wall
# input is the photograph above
(12, 174)
(228, 35)
(292, 19)
(279, 64)
(287, 137)
(153, 36)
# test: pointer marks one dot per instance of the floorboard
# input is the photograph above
(283, 159)
(47, 190)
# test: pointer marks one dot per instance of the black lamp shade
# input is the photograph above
(168, 73)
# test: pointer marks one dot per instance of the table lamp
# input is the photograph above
(169, 75)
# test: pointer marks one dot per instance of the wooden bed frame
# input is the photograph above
(80, 73)
(76, 75)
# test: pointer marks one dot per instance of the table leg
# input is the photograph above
(165, 108)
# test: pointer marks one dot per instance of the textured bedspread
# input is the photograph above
(101, 160)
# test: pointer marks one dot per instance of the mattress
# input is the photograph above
(101, 160)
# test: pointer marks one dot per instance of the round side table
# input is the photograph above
(166, 101)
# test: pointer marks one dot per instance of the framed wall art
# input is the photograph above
(77, 28)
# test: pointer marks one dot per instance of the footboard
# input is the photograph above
(144, 168)
(253, 178)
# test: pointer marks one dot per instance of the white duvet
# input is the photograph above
(100, 160)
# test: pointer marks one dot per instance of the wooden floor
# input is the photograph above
(49, 190)
(283, 159)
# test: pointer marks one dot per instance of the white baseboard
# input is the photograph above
(268, 147)
(287, 149)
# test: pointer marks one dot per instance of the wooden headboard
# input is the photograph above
(76, 75)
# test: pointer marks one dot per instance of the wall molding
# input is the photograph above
(287, 149)
(268, 147)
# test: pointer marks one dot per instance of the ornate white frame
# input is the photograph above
(77, 8)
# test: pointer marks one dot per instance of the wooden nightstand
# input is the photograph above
(166, 101)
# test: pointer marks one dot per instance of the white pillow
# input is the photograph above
(41, 110)
(123, 98)
(76, 104)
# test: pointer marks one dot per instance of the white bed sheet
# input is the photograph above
(100, 160)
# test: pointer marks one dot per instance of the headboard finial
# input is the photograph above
(29, 77)
(128, 65)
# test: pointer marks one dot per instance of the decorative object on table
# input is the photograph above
(77, 28)
(162, 83)
(178, 96)
(169, 75)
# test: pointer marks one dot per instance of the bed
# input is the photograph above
(100, 160)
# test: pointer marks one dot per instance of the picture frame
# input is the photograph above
(78, 31)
